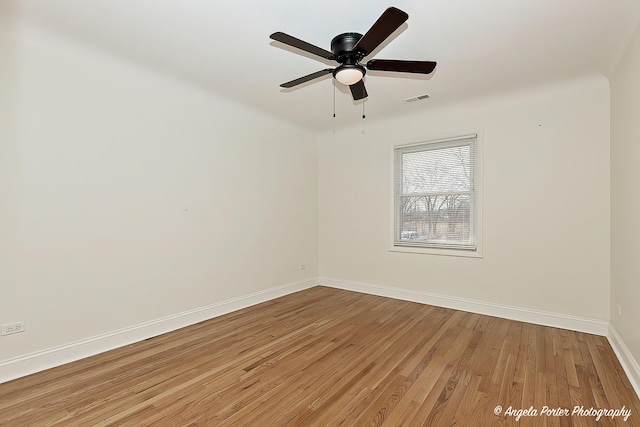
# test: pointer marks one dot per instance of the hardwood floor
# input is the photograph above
(326, 357)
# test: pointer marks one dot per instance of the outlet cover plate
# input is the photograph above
(13, 328)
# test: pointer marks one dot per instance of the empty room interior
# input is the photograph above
(339, 213)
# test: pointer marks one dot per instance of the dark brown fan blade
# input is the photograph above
(307, 78)
(302, 45)
(388, 22)
(358, 91)
(422, 67)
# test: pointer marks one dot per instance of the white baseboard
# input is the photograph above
(39, 361)
(556, 320)
(628, 362)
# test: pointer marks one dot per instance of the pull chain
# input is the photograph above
(363, 100)
(334, 99)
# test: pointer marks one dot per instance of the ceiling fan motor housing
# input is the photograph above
(344, 43)
(342, 47)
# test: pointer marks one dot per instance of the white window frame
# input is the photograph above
(393, 211)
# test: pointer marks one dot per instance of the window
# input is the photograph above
(436, 197)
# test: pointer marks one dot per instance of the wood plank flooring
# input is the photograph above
(327, 357)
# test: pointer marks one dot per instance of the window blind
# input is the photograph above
(435, 189)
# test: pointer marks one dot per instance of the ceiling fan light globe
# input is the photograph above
(349, 76)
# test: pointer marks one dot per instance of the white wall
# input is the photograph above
(128, 196)
(8, 101)
(625, 205)
(546, 202)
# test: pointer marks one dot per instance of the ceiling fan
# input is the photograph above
(348, 49)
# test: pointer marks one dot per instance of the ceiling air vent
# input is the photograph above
(416, 98)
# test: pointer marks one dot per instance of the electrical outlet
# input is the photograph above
(303, 267)
(619, 310)
(13, 328)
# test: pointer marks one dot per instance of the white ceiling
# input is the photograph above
(223, 46)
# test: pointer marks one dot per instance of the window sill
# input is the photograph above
(477, 253)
